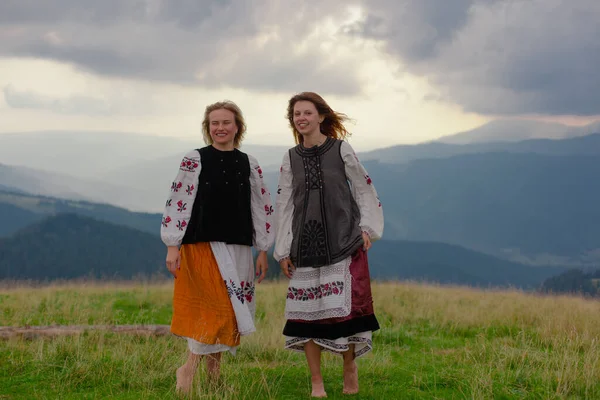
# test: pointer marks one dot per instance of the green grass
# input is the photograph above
(435, 343)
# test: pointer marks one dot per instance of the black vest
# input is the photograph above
(222, 210)
(326, 218)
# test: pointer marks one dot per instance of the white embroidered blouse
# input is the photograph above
(363, 191)
(178, 208)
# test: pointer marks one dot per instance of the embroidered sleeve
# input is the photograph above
(371, 212)
(284, 211)
(262, 209)
(178, 208)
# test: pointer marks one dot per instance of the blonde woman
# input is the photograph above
(218, 209)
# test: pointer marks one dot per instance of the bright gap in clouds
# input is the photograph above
(393, 107)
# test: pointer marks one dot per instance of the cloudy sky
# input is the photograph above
(405, 70)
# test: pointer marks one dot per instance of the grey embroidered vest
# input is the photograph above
(326, 217)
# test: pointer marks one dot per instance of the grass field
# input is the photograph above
(435, 343)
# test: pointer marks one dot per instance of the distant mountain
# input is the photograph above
(41, 182)
(526, 207)
(534, 202)
(129, 170)
(5, 188)
(118, 156)
(574, 281)
(154, 177)
(69, 246)
(14, 218)
(33, 181)
(534, 208)
(19, 210)
(449, 264)
(512, 130)
(584, 145)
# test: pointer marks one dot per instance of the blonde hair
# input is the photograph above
(239, 121)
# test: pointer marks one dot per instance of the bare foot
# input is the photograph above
(184, 380)
(350, 378)
(318, 389)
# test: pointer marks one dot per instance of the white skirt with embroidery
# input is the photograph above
(313, 294)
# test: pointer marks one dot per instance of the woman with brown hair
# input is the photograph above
(218, 208)
(328, 214)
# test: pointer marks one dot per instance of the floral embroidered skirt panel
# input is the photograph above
(202, 310)
(332, 306)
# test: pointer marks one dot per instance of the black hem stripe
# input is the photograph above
(334, 331)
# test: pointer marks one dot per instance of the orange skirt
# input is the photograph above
(202, 310)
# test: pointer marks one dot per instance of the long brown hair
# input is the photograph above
(333, 122)
(239, 121)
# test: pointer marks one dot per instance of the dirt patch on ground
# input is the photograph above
(32, 332)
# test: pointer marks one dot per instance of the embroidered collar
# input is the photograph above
(315, 150)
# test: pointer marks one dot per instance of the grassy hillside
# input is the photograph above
(435, 343)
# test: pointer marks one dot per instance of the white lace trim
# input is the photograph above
(362, 343)
(334, 306)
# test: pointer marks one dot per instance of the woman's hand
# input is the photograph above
(366, 240)
(287, 267)
(262, 265)
(173, 260)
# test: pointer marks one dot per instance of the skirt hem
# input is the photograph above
(362, 344)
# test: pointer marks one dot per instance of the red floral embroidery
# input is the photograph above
(268, 210)
(248, 290)
(190, 189)
(165, 221)
(175, 186)
(263, 190)
(318, 292)
(243, 293)
(181, 206)
(379, 201)
(233, 290)
(168, 203)
(188, 164)
(257, 168)
(268, 225)
(368, 179)
(181, 224)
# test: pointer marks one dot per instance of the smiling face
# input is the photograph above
(222, 127)
(306, 118)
